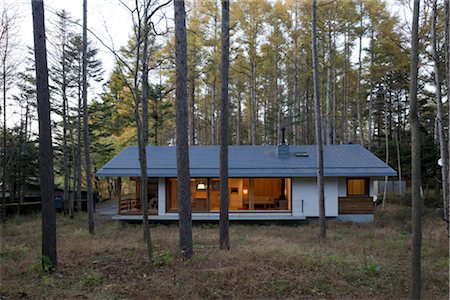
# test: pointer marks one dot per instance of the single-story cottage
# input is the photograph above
(265, 182)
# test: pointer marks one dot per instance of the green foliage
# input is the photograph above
(21, 160)
(43, 263)
(430, 155)
(162, 258)
(92, 279)
(373, 269)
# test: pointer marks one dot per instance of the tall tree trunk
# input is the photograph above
(329, 88)
(87, 150)
(213, 113)
(79, 158)
(345, 100)
(320, 179)
(369, 116)
(334, 112)
(183, 174)
(192, 112)
(399, 161)
(386, 145)
(78, 150)
(416, 199)
(358, 81)
(253, 109)
(239, 115)
(144, 135)
(74, 180)
(4, 165)
(45, 137)
(447, 57)
(225, 64)
(64, 119)
(440, 112)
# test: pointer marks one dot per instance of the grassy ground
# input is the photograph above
(356, 261)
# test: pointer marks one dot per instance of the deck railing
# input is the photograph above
(132, 206)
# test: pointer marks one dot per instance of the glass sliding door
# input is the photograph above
(199, 194)
(245, 194)
(200, 190)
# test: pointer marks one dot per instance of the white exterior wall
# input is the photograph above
(305, 189)
(161, 196)
(342, 186)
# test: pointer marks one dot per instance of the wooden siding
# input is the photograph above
(355, 205)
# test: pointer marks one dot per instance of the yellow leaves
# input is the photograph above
(126, 138)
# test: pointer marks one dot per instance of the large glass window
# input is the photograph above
(357, 187)
(245, 194)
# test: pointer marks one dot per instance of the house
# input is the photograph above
(265, 182)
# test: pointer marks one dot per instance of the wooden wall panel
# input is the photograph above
(355, 205)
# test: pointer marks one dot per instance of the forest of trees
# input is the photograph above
(333, 72)
(363, 54)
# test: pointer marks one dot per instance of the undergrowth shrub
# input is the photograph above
(162, 258)
(43, 263)
(92, 279)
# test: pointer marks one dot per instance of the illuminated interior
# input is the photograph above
(358, 187)
(245, 194)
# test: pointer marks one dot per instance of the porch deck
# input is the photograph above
(215, 217)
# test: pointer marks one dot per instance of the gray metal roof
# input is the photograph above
(251, 161)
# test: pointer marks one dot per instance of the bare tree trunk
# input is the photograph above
(358, 82)
(192, 113)
(4, 130)
(64, 117)
(386, 144)
(334, 113)
(253, 109)
(183, 174)
(399, 162)
(369, 117)
(224, 223)
(239, 116)
(5, 23)
(78, 153)
(320, 179)
(213, 113)
(440, 113)
(45, 137)
(447, 57)
(329, 88)
(345, 100)
(416, 282)
(87, 150)
(143, 138)
(74, 179)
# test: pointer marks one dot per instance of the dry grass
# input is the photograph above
(356, 261)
